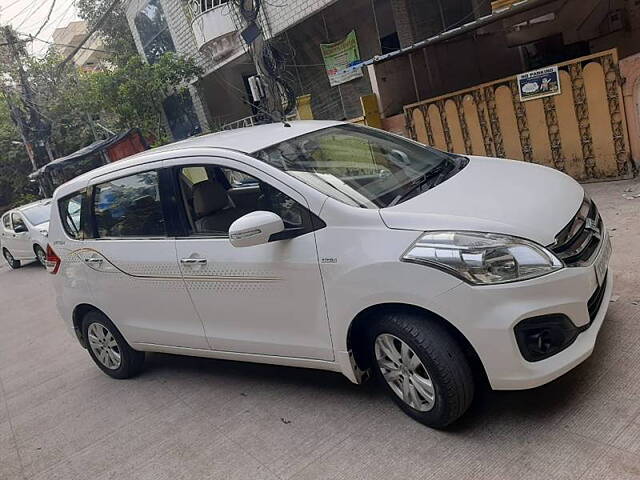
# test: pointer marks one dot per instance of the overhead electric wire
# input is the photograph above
(28, 17)
(33, 37)
(60, 18)
(10, 5)
(53, 4)
(21, 11)
(91, 31)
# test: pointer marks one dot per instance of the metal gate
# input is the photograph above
(582, 131)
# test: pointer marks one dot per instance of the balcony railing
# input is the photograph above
(198, 7)
(214, 29)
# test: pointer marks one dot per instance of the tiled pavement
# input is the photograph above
(185, 418)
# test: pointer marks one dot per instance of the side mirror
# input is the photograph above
(255, 228)
(20, 228)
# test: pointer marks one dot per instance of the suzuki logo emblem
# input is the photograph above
(592, 226)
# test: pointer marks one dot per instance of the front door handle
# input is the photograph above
(194, 261)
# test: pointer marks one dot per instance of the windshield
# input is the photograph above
(360, 166)
(38, 214)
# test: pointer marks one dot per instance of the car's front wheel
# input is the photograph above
(422, 367)
(13, 263)
(108, 348)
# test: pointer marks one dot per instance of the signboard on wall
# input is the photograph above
(342, 60)
(544, 82)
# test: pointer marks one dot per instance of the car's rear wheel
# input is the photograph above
(108, 348)
(13, 263)
(40, 255)
(422, 367)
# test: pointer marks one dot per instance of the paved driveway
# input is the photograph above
(184, 418)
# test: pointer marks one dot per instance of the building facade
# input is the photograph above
(68, 37)
(218, 37)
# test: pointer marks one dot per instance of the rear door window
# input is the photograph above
(71, 214)
(129, 207)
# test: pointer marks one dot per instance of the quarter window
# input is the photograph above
(6, 221)
(129, 207)
(71, 214)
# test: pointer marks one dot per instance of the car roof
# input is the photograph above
(246, 140)
(251, 139)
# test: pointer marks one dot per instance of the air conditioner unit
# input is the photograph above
(257, 88)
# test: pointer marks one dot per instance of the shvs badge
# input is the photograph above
(539, 83)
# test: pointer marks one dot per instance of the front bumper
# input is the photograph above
(486, 316)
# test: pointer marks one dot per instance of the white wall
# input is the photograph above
(284, 14)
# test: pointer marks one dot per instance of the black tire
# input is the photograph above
(40, 255)
(13, 263)
(131, 361)
(441, 356)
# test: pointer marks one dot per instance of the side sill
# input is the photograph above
(240, 357)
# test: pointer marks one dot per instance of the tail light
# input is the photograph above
(53, 261)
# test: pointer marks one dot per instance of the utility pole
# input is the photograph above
(34, 129)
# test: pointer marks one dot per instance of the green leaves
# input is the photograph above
(114, 32)
(133, 93)
(127, 94)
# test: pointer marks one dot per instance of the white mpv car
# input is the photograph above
(23, 233)
(338, 247)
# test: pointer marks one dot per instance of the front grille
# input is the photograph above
(577, 243)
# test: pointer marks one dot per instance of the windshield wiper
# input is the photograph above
(446, 164)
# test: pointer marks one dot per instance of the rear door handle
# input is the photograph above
(93, 260)
(194, 261)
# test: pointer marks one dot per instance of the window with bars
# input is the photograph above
(153, 30)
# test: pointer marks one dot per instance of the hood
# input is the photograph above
(497, 196)
(42, 226)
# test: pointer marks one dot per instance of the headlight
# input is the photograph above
(482, 258)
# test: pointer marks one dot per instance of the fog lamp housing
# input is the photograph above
(542, 337)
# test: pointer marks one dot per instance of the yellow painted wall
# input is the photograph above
(537, 129)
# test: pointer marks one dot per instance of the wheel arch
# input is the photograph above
(79, 312)
(356, 335)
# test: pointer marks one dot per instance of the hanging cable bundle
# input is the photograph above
(249, 9)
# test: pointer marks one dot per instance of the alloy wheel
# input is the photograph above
(404, 372)
(104, 346)
(42, 257)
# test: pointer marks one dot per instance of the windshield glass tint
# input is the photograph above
(38, 214)
(358, 166)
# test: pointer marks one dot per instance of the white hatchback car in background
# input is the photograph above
(23, 233)
(338, 247)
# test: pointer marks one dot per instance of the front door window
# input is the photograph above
(215, 197)
(18, 223)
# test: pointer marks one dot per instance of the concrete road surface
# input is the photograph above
(185, 418)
